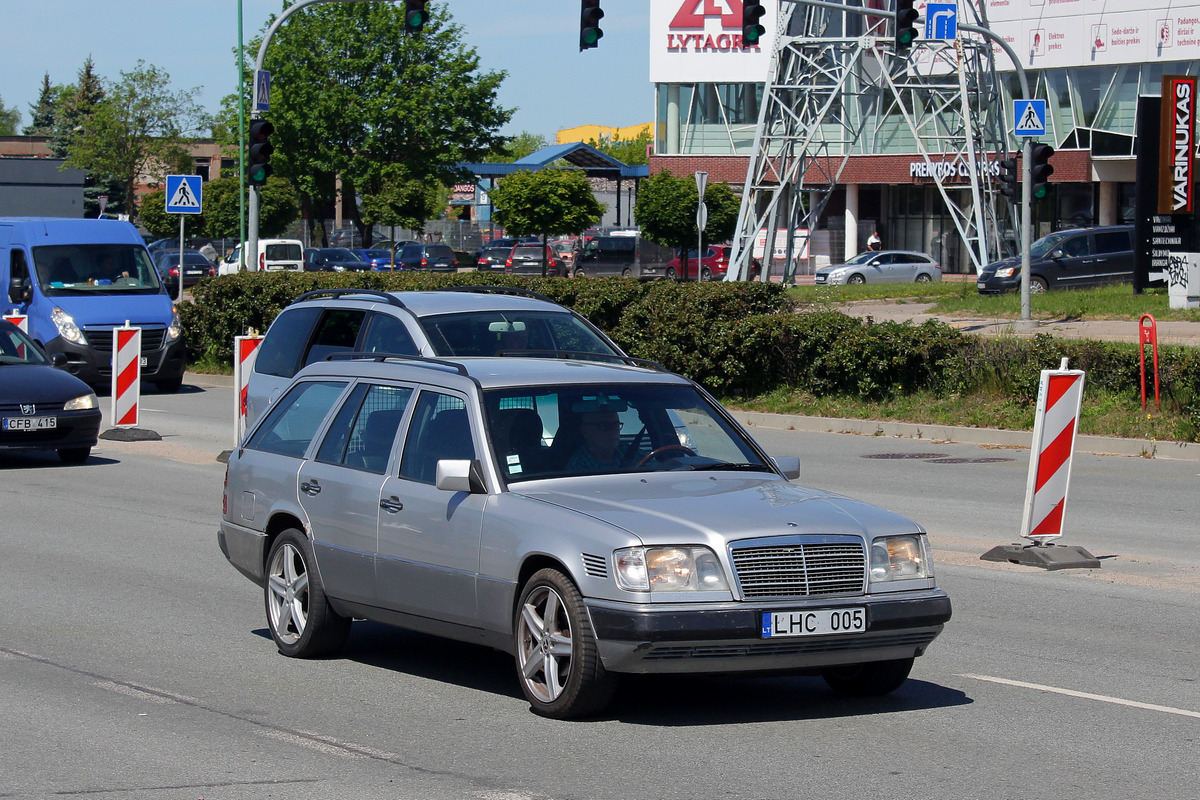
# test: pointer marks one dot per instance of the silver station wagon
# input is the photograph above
(589, 518)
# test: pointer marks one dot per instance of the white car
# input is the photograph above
(273, 255)
(885, 266)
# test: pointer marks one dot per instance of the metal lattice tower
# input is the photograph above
(831, 95)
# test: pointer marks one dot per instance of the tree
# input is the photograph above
(137, 128)
(548, 202)
(666, 211)
(516, 148)
(404, 202)
(44, 112)
(10, 118)
(358, 98)
(278, 209)
(627, 151)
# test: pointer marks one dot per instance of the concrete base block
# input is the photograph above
(131, 435)
(1046, 556)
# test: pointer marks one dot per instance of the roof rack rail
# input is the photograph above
(497, 289)
(581, 355)
(390, 299)
(352, 355)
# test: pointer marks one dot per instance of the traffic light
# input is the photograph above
(258, 155)
(752, 31)
(1041, 170)
(415, 15)
(590, 14)
(906, 32)
(1010, 180)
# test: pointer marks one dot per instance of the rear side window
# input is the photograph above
(1113, 242)
(362, 433)
(294, 420)
(279, 353)
(386, 334)
(337, 332)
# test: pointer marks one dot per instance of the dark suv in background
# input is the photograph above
(1078, 258)
(435, 257)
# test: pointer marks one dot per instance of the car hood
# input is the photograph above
(1015, 261)
(713, 508)
(114, 310)
(37, 383)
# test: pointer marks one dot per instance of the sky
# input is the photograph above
(550, 83)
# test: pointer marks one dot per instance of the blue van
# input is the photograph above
(76, 280)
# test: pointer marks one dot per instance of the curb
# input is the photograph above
(994, 437)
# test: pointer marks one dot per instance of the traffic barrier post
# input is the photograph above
(126, 376)
(245, 349)
(1148, 335)
(1060, 397)
(22, 323)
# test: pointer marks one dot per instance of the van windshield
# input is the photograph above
(73, 269)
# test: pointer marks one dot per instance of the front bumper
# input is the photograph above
(92, 362)
(990, 284)
(642, 638)
(75, 429)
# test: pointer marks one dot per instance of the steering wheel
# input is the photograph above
(665, 448)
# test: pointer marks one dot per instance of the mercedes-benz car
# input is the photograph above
(592, 519)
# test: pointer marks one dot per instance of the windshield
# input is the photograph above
(18, 348)
(1042, 247)
(489, 333)
(863, 258)
(74, 269)
(540, 432)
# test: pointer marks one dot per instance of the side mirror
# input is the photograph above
(58, 360)
(17, 290)
(789, 466)
(454, 475)
(1057, 253)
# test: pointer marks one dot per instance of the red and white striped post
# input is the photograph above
(245, 350)
(22, 322)
(1060, 396)
(126, 375)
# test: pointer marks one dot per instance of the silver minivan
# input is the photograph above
(590, 518)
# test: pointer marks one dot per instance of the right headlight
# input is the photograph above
(67, 328)
(898, 558)
(669, 569)
(1008, 272)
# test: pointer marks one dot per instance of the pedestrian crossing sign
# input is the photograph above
(184, 194)
(1030, 117)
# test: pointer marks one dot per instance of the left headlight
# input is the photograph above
(669, 569)
(82, 403)
(67, 328)
(174, 330)
(899, 558)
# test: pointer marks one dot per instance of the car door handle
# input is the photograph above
(310, 487)
(391, 504)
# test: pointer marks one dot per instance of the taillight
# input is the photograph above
(508, 263)
(262, 262)
(225, 493)
(424, 261)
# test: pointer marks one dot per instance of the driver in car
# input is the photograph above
(601, 432)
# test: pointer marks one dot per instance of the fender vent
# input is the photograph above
(595, 566)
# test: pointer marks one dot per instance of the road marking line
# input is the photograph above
(1087, 696)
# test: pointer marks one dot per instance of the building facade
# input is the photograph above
(1089, 59)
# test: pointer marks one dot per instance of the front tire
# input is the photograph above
(558, 662)
(579, 273)
(302, 622)
(169, 387)
(856, 280)
(74, 455)
(706, 274)
(872, 679)
(1038, 285)
(672, 275)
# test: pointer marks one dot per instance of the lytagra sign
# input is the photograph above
(700, 41)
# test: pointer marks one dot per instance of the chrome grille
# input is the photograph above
(800, 568)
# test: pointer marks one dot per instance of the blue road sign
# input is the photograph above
(941, 21)
(1029, 117)
(185, 194)
(262, 90)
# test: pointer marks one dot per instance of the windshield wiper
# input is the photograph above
(735, 467)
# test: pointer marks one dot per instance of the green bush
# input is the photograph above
(745, 339)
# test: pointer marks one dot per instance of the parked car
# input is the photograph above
(469, 321)
(713, 266)
(375, 258)
(492, 259)
(566, 253)
(591, 519)
(527, 259)
(195, 267)
(273, 255)
(434, 257)
(629, 256)
(1071, 259)
(508, 242)
(42, 406)
(884, 266)
(332, 259)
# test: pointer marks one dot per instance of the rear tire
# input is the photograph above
(706, 274)
(627, 273)
(558, 662)
(872, 679)
(302, 622)
(672, 275)
(579, 273)
(924, 278)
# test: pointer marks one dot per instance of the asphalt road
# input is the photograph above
(134, 662)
